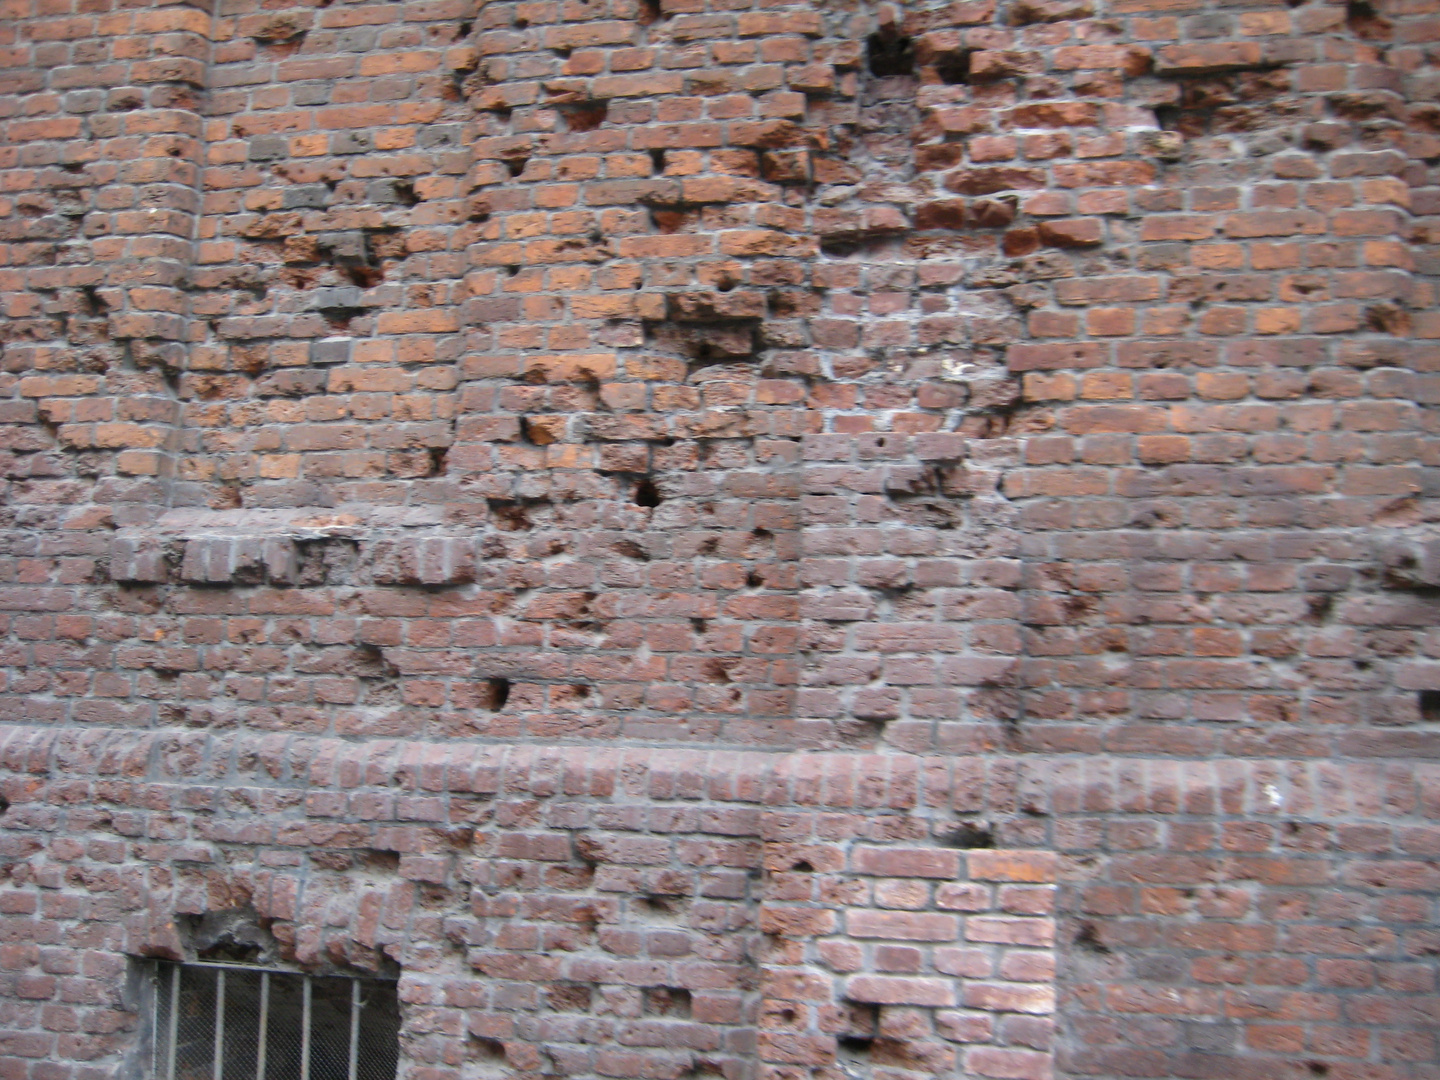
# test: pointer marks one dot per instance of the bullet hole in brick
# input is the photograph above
(803, 867)
(1167, 117)
(889, 53)
(4, 804)
(648, 12)
(586, 117)
(726, 284)
(497, 693)
(73, 167)
(1319, 606)
(718, 671)
(667, 1001)
(753, 580)
(1317, 1068)
(516, 165)
(698, 625)
(511, 270)
(971, 836)
(628, 549)
(1362, 665)
(855, 1045)
(439, 455)
(1087, 938)
(657, 160)
(369, 662)
(1387, 318)
(647, 494)
(521, 23)
(954, 68)
(1429, 705)
(464, 29)
(668, 221)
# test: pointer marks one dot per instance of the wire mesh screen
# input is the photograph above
(214, 1022)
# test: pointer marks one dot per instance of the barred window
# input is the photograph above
(228, 1022)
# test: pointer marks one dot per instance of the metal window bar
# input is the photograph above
(232, 1022)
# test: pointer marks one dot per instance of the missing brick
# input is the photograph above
(586, 117)
(889, 53)
(671, 1001)
(496, 692)
(1362, 20)
(971, 836)
(647, 494)
(953, 69)
(234, 935)
(1429, 702)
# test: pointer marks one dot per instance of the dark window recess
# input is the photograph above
(223, 1022)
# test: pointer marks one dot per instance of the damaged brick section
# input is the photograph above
(728, 538)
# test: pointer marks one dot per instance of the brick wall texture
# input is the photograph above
(728, 539)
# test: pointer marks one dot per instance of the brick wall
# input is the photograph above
(728, 537)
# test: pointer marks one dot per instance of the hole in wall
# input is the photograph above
(647, 494)
(648, 12)
(657, 160)
(889, 53)
(231, 935)
(667, 1001)
(516, 165)
(953, 69)
(585, 117)
(1362, 20)
(1088, 938)
(497, 694)
(971, 836)
(861, 1023)
(1429, 705)
(405, 193)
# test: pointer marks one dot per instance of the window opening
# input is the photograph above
(227, 1022)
